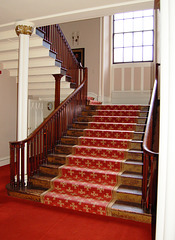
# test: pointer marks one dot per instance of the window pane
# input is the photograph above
(127, 39)
(138, 14)
(138, 39)
(128, 25)
(118, 16)
(118, 55)
(134, 36)
(128, 54)
(148, 53)
(148, 12)
(148, 38)
(118, 40)
(137, 54)
(118, 26)
(138, 24)
(148, 23)
(128, 15)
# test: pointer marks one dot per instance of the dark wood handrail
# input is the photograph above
(54, 35)
(32, 152)
(150, 157)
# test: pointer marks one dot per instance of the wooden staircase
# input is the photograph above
(127, 194)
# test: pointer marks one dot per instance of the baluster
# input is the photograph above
(38, 151)
(22, 164)
(31, 158)
(34, 158)
(18, 164)
(144, 181)
(12, 165)
(28, 163)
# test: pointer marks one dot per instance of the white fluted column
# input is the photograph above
(23, 30)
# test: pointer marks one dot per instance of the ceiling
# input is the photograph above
(44, 12)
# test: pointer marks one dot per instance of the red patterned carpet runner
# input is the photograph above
(88, 179)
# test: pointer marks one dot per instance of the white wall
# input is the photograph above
(8, 103)
(89, 32)
(131, 83)
(116, 83)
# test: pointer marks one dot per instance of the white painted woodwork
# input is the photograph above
(33, 63)
(51, 91)
(35, 115)
(23, 86)
(37, 71)
(165, 229)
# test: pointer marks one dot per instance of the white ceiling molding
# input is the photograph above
(51, 12)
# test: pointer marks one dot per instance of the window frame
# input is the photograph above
(132, 46)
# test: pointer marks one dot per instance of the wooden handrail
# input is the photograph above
(150, 157)
(32, 152)
(54, 35)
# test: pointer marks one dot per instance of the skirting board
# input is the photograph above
(130, 97)
(4, 161)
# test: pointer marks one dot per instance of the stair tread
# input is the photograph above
(130, 189)
(57, 155)
(134, 162)
(132, 174)
(135, 151)
(129, 207)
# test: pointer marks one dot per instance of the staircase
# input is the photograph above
(42, 65)
(97, 166)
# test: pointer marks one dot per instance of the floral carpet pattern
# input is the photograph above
(88, 179)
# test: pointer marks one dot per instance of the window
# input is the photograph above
(133, 36)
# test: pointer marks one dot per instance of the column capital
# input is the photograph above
(23, 27)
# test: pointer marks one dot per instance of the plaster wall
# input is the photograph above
(8, 106)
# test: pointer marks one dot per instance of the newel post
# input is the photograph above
(57, 88)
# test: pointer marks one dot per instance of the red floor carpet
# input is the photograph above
(23, 220)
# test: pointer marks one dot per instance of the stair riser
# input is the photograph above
(141, 120)
(126, 197)
(76, 133)
(132, 168)
(131, 181)
(57, 160)
(24, 196)
(138, 136)
(136, 146)
(69, 141)
(63, 149)
(80, 126)
(48, 171)
(131, 216)
(135, 156)
(36, 183)
(140, 128)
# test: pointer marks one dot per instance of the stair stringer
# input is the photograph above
(42, 64)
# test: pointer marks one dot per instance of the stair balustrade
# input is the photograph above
(61, 47)
(150, 157)
(26, 156)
